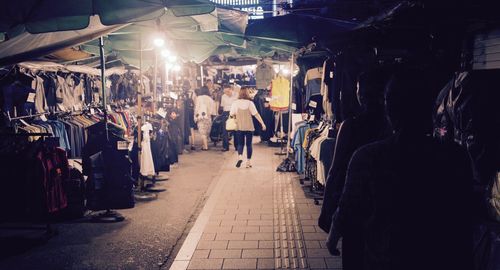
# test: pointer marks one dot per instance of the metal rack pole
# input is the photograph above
(103, 84)
(155, 81)
(290, 110)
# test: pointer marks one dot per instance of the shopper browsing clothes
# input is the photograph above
(243, 109)
(204, 109)
(409, 196)
(227, 101)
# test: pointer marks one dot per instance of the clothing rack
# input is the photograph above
(315, 188)
(25, 134)
(49, 231)
(24, 116)
(37, 115)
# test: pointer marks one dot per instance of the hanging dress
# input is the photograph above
(147, 165)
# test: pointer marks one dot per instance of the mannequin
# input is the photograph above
(147, 165)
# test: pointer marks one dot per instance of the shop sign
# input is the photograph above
(257, 9)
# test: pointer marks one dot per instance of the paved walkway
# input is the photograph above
(256, 219)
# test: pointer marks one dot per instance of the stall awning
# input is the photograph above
(191, 38)
(27, 46)
(61, 15)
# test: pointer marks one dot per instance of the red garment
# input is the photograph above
(55, 170)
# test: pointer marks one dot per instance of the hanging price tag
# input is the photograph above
(108, 107)
(331, 74)
(31, 97)
(122, 145)
(92, 111)
(313, 104)
(268, 99)
(294, 106)
(43, 117)
(231, 81)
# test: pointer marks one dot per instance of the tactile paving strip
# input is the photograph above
(289, 248)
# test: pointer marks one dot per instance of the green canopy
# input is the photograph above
(38, 16)
(191, 38)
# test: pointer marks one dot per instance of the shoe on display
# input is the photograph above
(193, 148)
(249, 164)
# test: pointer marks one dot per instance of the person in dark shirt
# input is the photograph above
(409, 196)
(369, 126)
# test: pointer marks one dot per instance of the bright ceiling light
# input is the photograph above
(165, 53)
(159, 42)
(172, 58)
(176, 68)
(169, 66)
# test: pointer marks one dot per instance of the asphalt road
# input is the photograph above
(147, 239)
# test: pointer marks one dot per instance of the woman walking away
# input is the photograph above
(203, 111)
(243, 109)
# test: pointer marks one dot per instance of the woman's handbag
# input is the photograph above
(231, 123)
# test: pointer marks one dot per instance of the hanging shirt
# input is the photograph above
(264, 74)
(315, 150)
(280, 94)
(326, 81)
(40, 100)
(300, 155)
(78, 93)
(312, 81)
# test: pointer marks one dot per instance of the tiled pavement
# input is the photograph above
(256, 219)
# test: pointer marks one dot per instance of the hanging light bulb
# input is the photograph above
(159, 42)
(172, 58)
(165, 53)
